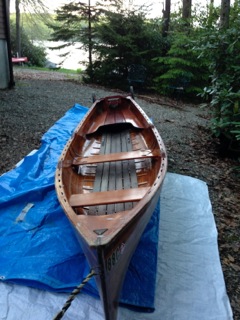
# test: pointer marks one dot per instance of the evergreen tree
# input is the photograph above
(75, 23)
(115, 36)
(125, 38)
(120, 45)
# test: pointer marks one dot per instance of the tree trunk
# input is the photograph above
(186, 11)
(18, 28)
(225, 11)
(210, 13)
(90, 39)
(166, 17)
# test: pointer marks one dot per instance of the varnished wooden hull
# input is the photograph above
(108, 182)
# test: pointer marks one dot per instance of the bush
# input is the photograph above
(222, 48)
(121, 40)
(181, 66)
(36, 55)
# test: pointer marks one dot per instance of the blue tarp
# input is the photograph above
(38, 247)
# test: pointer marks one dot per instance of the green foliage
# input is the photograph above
(35, 54)
(114, 39)
(181, 65)
(222, 49)
(73, 23)
(34, 25)
(123, 39)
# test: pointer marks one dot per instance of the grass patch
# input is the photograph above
(61, 70)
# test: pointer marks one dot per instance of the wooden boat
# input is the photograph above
(108, 182)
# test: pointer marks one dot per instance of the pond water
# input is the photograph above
(74, 60)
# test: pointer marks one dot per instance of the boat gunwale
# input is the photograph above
(123, 218)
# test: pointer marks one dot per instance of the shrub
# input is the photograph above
(35, 54)
(222, 48)
(181, 66)
(123, 39)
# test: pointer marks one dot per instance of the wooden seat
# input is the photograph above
(119, 156)
(115, 186)
(107, 197)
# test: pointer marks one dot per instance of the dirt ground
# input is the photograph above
(39, 99)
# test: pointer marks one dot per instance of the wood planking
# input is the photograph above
(116, 156)
(116, 175)
(112, 171)
(109, 197)
(101, 183)
(129, 170)
(119, 171)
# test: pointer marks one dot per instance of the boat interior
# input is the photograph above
(112, 166)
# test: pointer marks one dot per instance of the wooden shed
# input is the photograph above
(6, 71)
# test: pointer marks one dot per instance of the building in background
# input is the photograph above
(6, 71)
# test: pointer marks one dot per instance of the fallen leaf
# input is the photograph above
(231, 258)
(235, 267)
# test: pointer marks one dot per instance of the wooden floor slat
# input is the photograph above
(113, 177)
(112, 172)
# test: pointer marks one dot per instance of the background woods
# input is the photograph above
(187, 52)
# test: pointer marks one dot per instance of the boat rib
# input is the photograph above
(108, 182)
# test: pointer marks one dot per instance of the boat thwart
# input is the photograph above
(108, 181)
